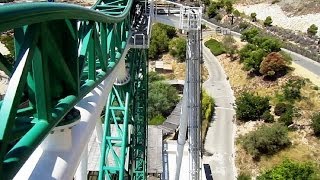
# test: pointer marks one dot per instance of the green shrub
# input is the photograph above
(154, 76)
(266, 140)
(290, 170)
(251, 107)
(218, 17)
(243, 25)
(212, 10)
(207, 108)
(246, 51)
(215, 47)
(254, 60)
(249, 34)
(316, 124)
(157, 120)
(281, 108)
(267, 117)
(162, 98)
(287, 116)
(291, 89)
(267, 21)
(253, 17)
(244, 176)
(236, 13)
(178, 47)
(312, 30)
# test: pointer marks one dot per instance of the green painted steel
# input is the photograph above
(116, 147)
(115, 137)
(62, 52)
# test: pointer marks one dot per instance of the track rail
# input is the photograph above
(62, 52)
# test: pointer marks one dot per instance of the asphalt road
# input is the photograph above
(219, 143)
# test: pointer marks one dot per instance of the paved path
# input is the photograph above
(219, 143)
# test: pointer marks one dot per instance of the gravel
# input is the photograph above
(279, 17)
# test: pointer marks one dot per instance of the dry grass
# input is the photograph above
(204, 73)
(304, 144)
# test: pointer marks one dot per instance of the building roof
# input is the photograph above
(155, 148)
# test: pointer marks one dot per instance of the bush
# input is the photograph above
(212, 10)
(290, 170)
(312, 30)
(268, 21)
(244, 176)
(291, 90)
(218, 17)
(159, 41)
(269, 45)
(281, 108)
(287, 116)
(157, 120)
(178, 47)
(230, 46)
(254, 60)
(207, 106)
(249, 34)
(243, 25)
(246, 50)
(154, 76)
(267, 117)
(236, 13)
(251, 107)
(229, 7)
(215, 47)
(316, 124)
(161, 99)
(266, 140)
(253, 17)
(273, 64)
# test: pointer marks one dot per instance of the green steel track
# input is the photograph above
(62, 52)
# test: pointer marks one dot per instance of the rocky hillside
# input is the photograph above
(291, 7)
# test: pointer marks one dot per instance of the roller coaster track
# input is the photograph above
(63, 53)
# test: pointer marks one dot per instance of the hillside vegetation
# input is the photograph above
(295, 7)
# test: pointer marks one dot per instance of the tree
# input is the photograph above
(212, 10)
(273, 64)
(236, 13)
(218, 17)
(230, 46)
(243, 25)
(178, 47)
(291, 89)
(159, 41)
(266, 140)
(229, 7)
(253, 17)
(246, 50)
(312, 30)
(268, 21)
(316, 124)
(161, 99)
(270, 44)
(249, 34)
(251, 107)
(252, 63)
(206, 2)
(290, 170)
(154, 76)
(207, 106)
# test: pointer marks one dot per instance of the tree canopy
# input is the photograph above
(290, 170)
(251, 107)
(178, 47)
